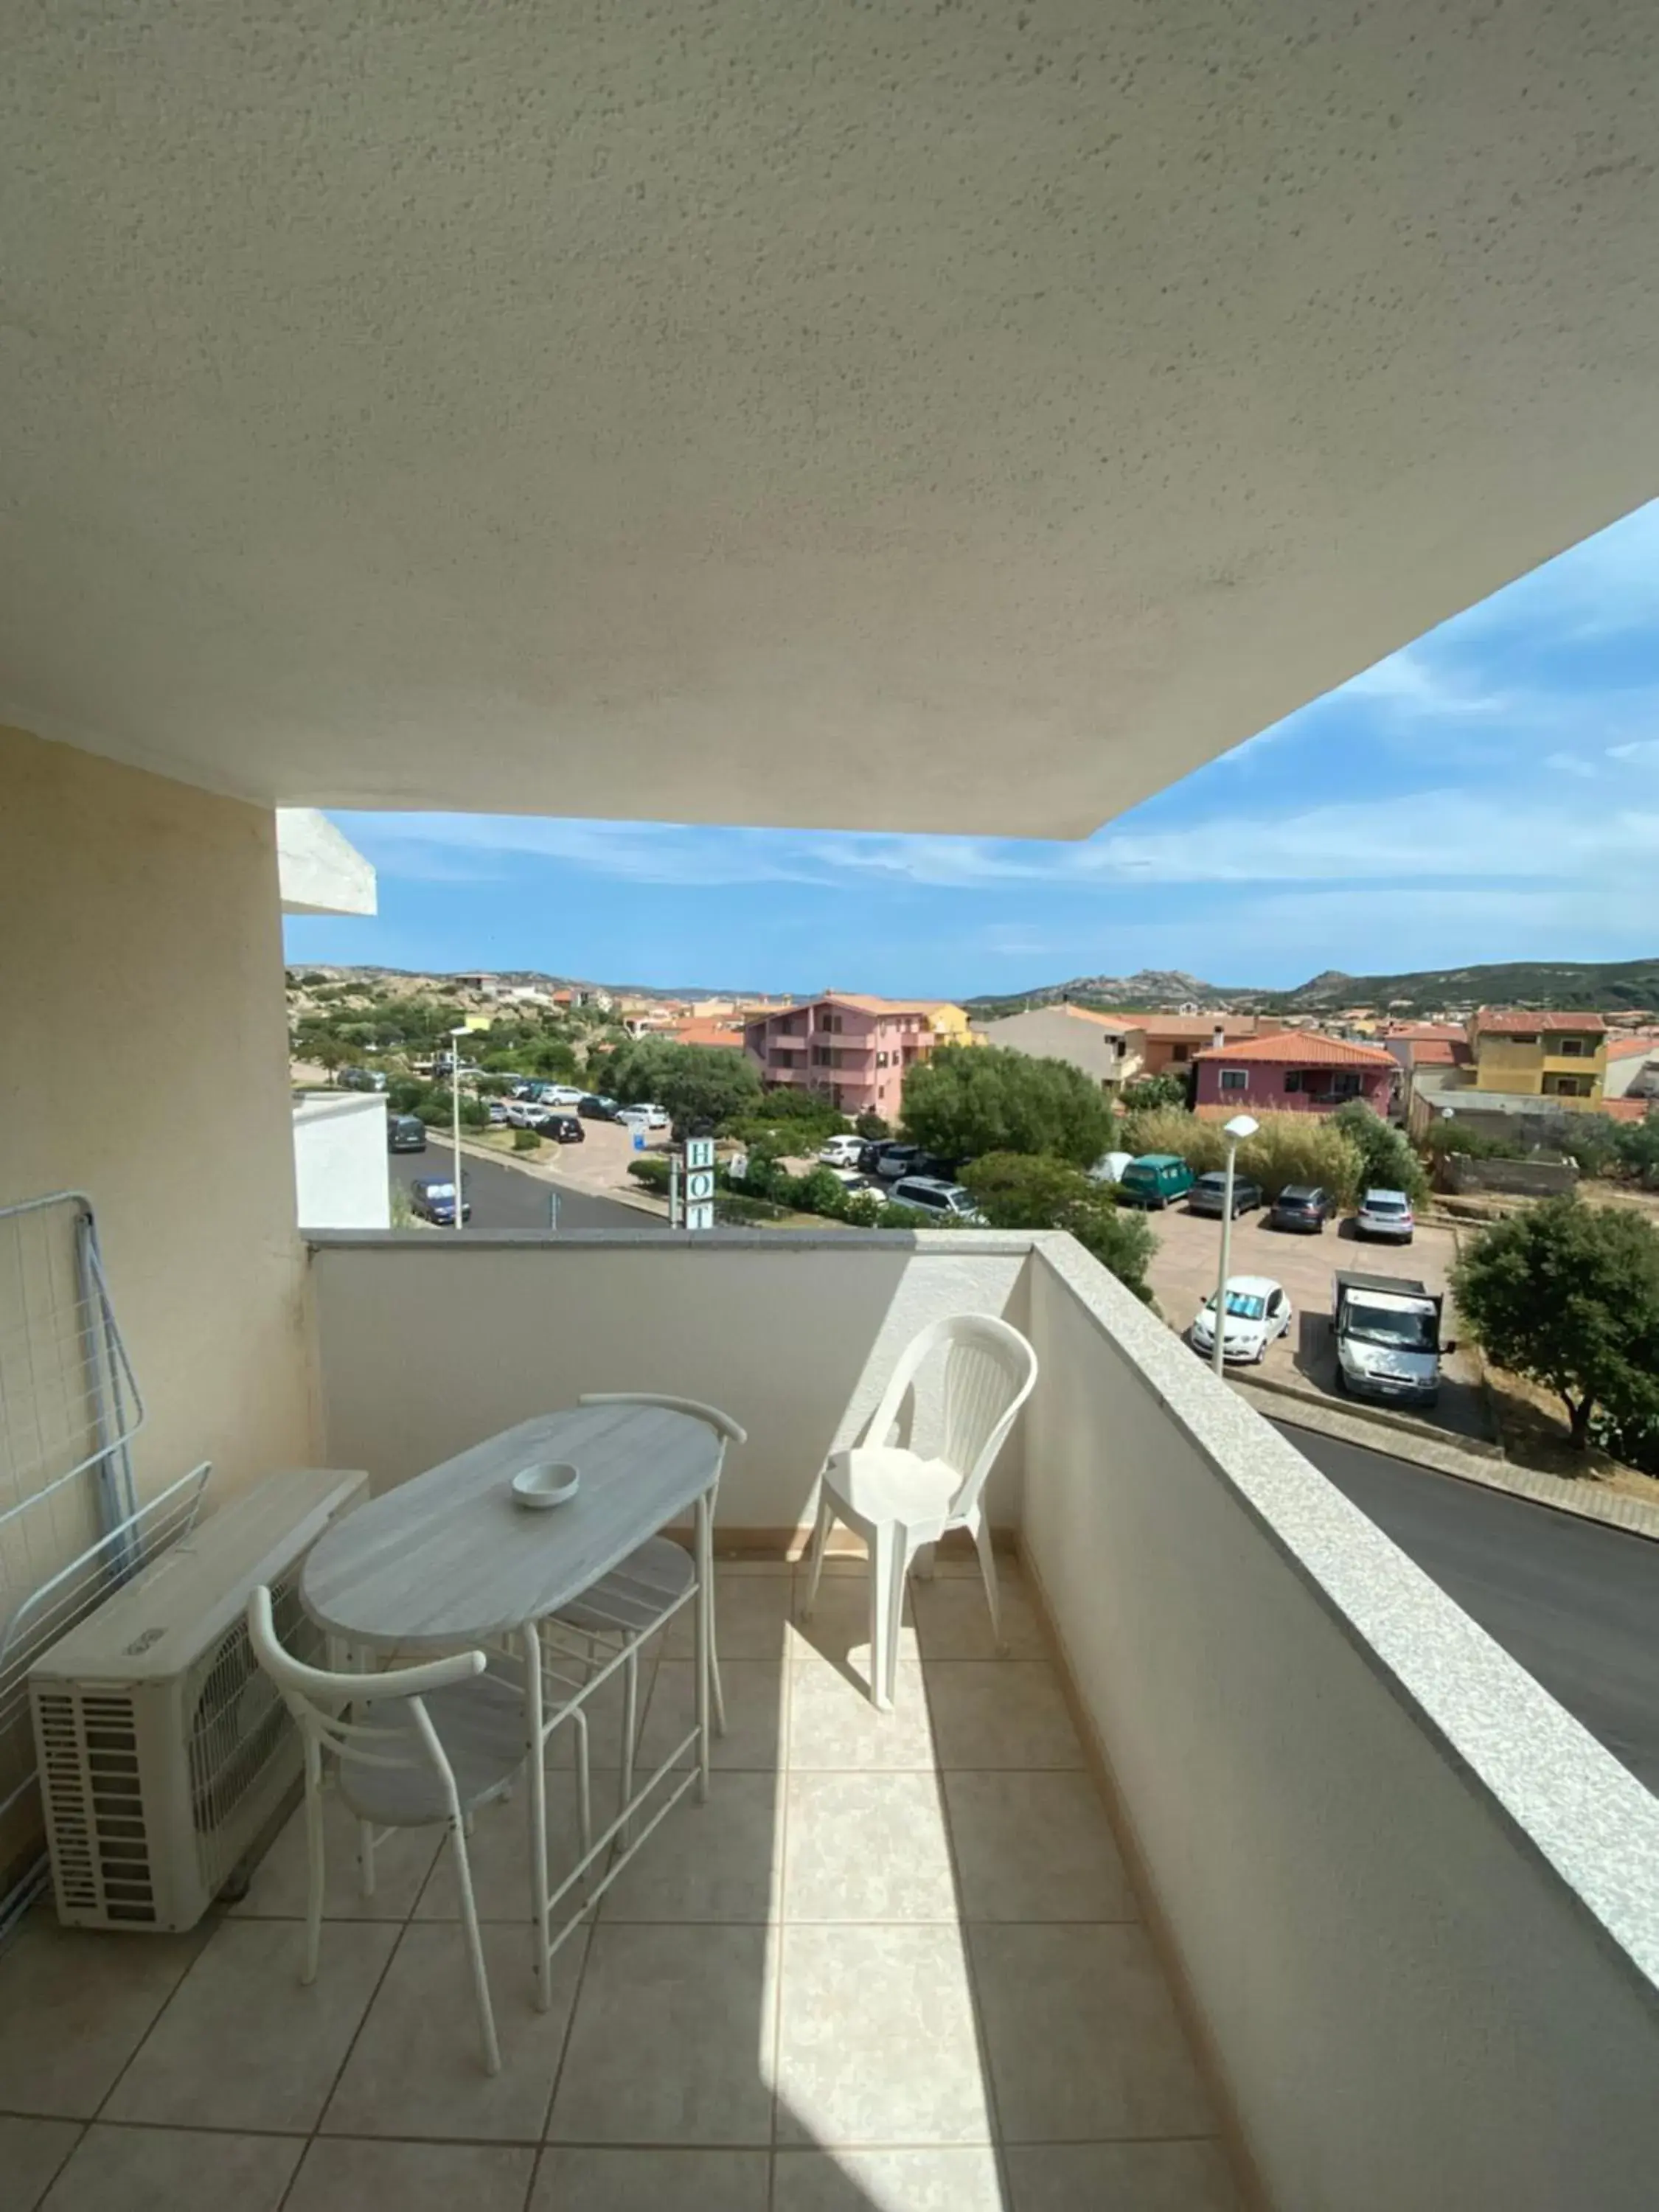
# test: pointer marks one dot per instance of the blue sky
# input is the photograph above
(1491, 792)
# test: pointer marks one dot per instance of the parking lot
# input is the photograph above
(1184, 1272)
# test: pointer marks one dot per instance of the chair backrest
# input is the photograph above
(990, 1372)
(724, 1423)
(318, 1698)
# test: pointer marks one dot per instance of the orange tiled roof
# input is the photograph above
(1302, 1049)
(1624, 1110)
(692, 1031)
(1633, 1048)
(1508, 1021)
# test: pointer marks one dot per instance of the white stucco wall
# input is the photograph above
(427, 1345)
(145, 1062)
(340, 1175)
(1413, 1901)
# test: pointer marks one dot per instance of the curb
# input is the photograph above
(1489, 1469)
(1374, 1416)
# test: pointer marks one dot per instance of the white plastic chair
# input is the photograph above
(415, 1745)
(634, 1599)
(900, 1501)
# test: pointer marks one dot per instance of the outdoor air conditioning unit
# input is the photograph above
(163, 1750)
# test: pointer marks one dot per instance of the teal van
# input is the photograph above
(1154, 1180)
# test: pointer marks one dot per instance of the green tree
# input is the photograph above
(1022, 1190)
(1148, 1092)
(966, 1100)
(1567, 1295)
(694, 1082)
(1639, 1149)
(331, 1053)
(1386, 1161)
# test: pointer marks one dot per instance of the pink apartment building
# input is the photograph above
(1295, 1072)
(852, 1048)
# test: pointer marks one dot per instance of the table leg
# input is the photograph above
(537, 1796)
(705, 1632)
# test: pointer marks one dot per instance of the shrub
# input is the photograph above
(526, 1140)
(862, 1208)
(733, 1210)
(1386, 1159)
(797, 1134)
(1169, 1129)
(817, 1192)
(650, 1168)
(1286, 1148)
(436, 1108)
(905, 1216)
(1149, 1092)
(871, 1126)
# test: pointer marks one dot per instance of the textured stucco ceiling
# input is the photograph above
(946, 415)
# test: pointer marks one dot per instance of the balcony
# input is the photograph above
(1256, 1873)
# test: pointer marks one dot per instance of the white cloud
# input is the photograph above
(1571, 764)
(1643, 752)
(1415, 681)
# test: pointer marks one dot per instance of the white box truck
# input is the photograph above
(1387, 1329)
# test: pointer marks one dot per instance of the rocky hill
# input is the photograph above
(1567, 985)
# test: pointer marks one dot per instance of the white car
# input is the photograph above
(1258, 1310)
(841, 1152)
(1109, 1166)
(1385, 1214)
(561, 1095)
(645, 1117)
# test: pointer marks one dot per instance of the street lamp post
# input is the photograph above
(1238, 1129)
(455, 1037)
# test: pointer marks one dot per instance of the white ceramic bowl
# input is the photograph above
(550, 1482)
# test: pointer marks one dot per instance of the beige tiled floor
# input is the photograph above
(893, 1965)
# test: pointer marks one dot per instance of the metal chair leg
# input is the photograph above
(474, 1946)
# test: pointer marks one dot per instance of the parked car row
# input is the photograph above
(1159, 1178)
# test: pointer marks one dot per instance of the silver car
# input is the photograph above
(1385, 1214)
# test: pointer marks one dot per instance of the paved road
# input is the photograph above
(504, 1198)
(1576, 1603)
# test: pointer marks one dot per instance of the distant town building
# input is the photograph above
(854, 1048)
(1107, 1050)
(1289, 1074)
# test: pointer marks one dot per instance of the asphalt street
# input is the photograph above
(504, 1197)
(1575, 1602)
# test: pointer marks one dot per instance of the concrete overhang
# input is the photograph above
(959, 419)
(318, 870)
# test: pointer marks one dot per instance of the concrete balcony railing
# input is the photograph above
(1407, 1909)
(1254, 1874)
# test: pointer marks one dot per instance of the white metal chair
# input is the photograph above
(900, 1501)
(635, 1599)
(415, 1745)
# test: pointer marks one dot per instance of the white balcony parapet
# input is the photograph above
(320, 869)
(1413, 1908)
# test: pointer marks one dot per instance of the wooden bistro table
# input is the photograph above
(449, 1561)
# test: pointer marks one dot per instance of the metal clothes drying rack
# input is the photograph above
(71, 1526)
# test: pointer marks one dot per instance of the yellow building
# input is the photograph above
(1560, 1057)
(950, 1024)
